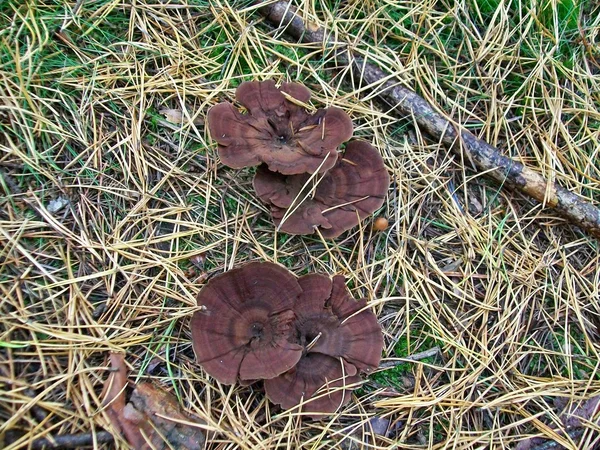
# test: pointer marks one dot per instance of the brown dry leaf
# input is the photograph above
(172, 115)
(577, 416)
(114, 389)
(572, 417)
(475, 205)
(152, 419)
(166, 418)
(176, 116)
(379, 425)
(198, 260)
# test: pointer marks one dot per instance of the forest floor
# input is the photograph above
(115, 209)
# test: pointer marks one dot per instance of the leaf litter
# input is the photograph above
(152, 418)
(516, 324)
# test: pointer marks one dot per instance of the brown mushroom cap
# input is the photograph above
(352, 190)
(318, 381)
(342, 326)
(244, 331)
(277, 131)
(358, 339)
(340, 337)
(264, 100)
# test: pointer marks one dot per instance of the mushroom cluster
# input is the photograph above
(307, 337)
(307, 184)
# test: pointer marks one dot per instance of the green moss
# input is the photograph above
(394, 376)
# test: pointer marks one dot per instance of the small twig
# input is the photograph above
(39, 413)
(64, 440)
(416, 357)
(485, 157)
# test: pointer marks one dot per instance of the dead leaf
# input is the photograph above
(585, 412)
(176, 116)
(475, 205)
(379, 425)
(153, 418)
(573, 419)
(172, 115)
(198, 260)
(114, 389)
(57, 204)
(163, 410)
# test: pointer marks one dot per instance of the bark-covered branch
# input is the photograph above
(485, 157)
(63, 441)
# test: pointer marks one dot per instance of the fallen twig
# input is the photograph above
(485, 157)
(416, 357)
(64, 441)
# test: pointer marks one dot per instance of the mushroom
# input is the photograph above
(340, 338)
(352, 190)
(320, 383)
(277, 130)
(244, 330)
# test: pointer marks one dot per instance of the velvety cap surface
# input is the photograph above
(352, 190)
(277, 130)
(244, 331)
